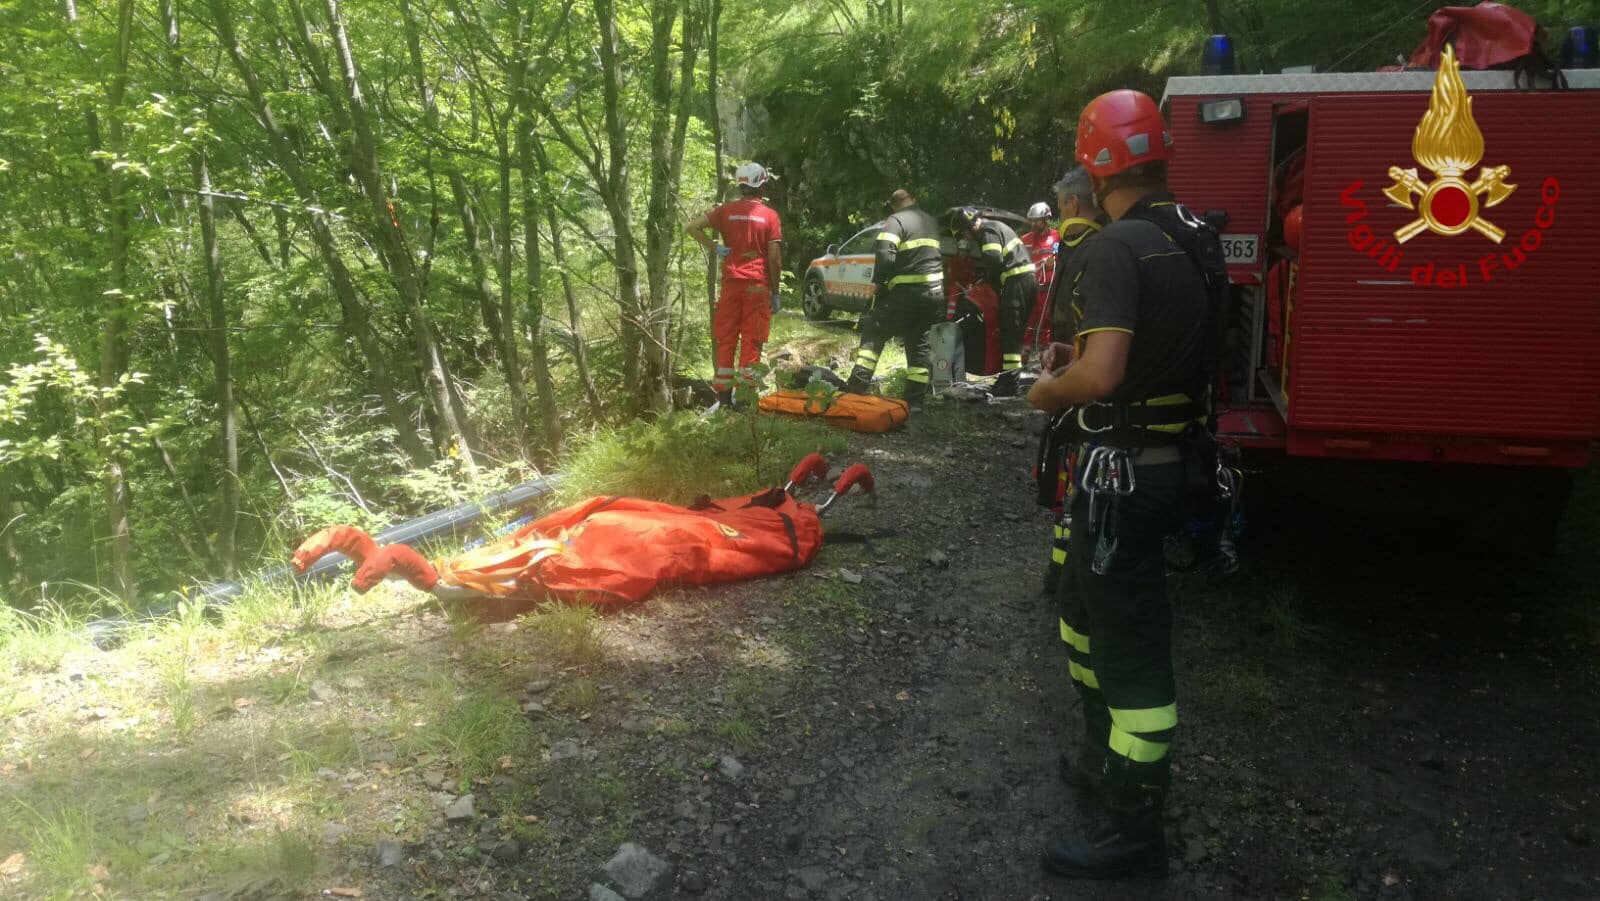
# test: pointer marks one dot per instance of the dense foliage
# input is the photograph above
(267, 264)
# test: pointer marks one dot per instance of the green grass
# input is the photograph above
(332, 747)
(1243, 688)
(477, 732)
(1282, 614)
(1331, 888)
(36, 642)
(65, 842)
(681, 456)
(566, 634)
(740, 732)
(580, 695)
(823, 608)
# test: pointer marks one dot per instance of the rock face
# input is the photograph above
(636, 871)
(598, 892)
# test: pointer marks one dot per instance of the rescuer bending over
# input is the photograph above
(1008, 269)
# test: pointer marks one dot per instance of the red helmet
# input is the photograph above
(1291, 229)
(1119, 130)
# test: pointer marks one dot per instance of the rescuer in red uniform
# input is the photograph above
(752, 264)
(1041, 242)
(1136, 377)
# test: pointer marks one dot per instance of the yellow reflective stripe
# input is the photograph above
(1011, 358)
(1079, 642)
(1135, 748)
(1014, 242)
(1060, 531)
(916, 374)
(1168, 400)
(1146, 719)
(1059, 555)
(1015, 271)
(1089, 224)
(891, 237)
(994, 247)
(1083, 674)
(933, 277)
(866, 352)
(919, 242)
(1107, 328)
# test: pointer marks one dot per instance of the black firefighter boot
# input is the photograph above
(1131, 845)
(1005, 384)
(916, 394)
(1084, 771)
(860, 381)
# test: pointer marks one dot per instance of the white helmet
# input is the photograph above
(1039, 210)
(751, 175)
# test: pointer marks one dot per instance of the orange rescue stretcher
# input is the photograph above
(856, 412)
(612, 551)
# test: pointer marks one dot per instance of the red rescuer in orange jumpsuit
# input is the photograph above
(752, 263)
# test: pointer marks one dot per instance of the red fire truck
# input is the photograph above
(1444, 300)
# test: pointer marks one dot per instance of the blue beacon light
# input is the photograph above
(1581, 48)
(1216, 58)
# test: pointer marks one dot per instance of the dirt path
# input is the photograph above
(1357, 723)
(1359, 719)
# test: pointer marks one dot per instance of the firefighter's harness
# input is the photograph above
(1107, 442)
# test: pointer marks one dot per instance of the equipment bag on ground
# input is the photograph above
(857, 412)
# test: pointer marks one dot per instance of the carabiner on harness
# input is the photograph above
(1085, 426)
(1108, 471)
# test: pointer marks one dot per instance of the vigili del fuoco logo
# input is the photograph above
(1448, 144)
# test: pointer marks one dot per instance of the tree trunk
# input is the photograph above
(713, 60)
(280, 220)
(499, 319)
(668, 122)
(482, 291)
(510, 359)
(531, 161)
(10, 563)
(222, 550)
(227, 416)
(113, 345)
(539, 353)
(364, 160)
(355, 317)
(580, 345)
(618, 199)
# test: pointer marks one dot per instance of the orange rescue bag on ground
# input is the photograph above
(614, 550)
(857, 412)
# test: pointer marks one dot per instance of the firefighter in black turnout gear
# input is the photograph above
(1008, 268)
(908, 296)
(1080, 218)
(1142, 297)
